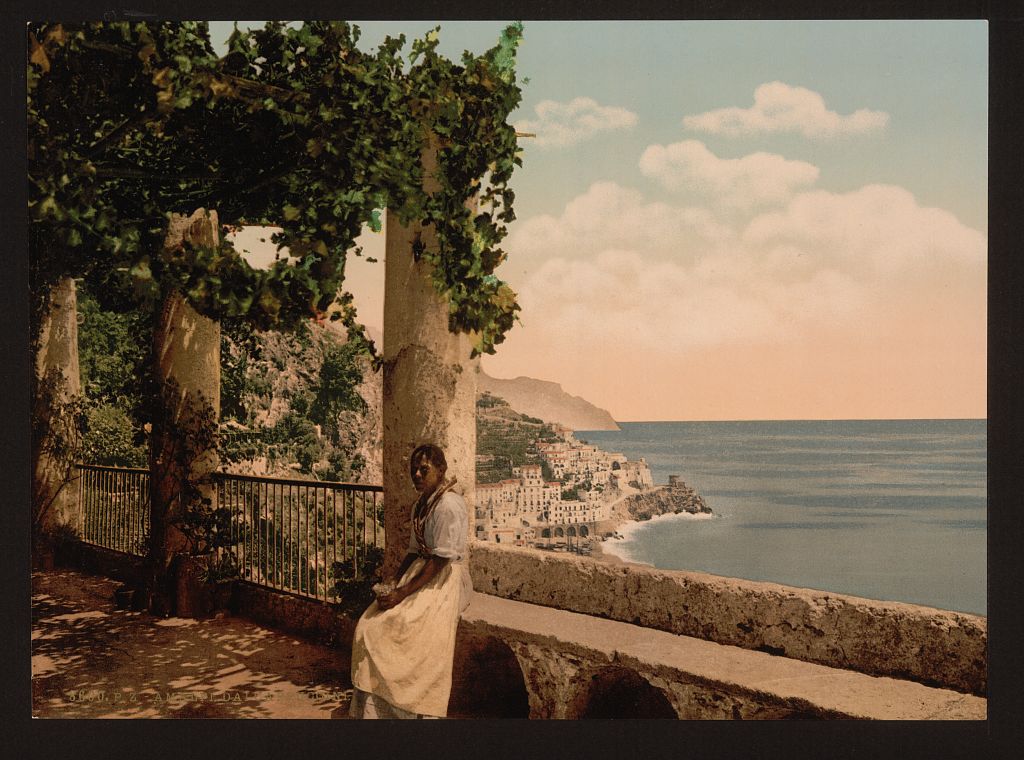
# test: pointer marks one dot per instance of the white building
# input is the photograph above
(526, 507)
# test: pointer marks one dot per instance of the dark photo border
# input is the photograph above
(1000, 736)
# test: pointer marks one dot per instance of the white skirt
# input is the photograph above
(404, 655)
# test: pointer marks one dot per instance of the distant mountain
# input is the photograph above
(547, 400)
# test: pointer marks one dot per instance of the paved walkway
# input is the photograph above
(92, 660)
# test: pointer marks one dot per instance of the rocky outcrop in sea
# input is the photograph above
(662, 500)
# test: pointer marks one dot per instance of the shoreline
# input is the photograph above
(626, 528)
(622, 522)
(598, 553)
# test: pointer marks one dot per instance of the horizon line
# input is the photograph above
(813, 419)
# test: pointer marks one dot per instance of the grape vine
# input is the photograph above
(296, 127)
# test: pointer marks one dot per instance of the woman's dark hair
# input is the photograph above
(433, 454)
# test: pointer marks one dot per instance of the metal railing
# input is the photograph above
(115, 507)
(298, 536)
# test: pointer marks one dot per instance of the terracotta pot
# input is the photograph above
(44, 559)
(189, 588)
(221, 593)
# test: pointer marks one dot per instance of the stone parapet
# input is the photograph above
(579, 666)
(905, 641)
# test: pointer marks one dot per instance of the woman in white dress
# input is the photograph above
(404, 643)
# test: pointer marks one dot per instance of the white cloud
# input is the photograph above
(753, 180)
(560, 125)
(613, 270)
(609, 216)
(624, 298)
(628, 298)
(878, 227)
(779, 107)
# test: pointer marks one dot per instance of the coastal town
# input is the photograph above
(563, 503)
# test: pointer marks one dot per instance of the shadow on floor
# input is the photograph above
(91, 660)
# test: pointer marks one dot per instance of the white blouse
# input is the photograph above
(446, 528)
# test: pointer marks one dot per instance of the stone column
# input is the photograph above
(429, 378)
(186, 365)
(55, 434)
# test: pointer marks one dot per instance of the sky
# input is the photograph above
(724, 220)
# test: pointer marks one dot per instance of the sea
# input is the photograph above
(884, 509)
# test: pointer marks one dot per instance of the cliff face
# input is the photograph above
(662, 500)
(281, 422)
(547, 400)
(277, 388)
(368, 428)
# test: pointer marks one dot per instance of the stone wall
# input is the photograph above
(907, 641)
(568, 682)
(99, 560)
(309, 618)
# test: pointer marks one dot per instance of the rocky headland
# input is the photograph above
(661, 500)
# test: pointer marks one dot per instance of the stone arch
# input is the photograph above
(559, 533)
(584, 531)
(571, 532)
(487, 680)
(618, 692)
(545, 533)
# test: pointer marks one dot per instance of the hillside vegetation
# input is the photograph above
(293, 404)
(506, 439)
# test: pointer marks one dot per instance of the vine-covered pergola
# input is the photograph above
(145, 147)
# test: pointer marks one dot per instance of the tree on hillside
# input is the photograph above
(336, 388)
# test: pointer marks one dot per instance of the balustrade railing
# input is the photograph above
(298, 536)
(115, 507)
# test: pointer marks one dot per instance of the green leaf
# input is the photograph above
(141, 269)
(375, 220)
(320, 147)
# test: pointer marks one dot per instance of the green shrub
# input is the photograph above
(335, 391)
(355, 593)
(110, 440)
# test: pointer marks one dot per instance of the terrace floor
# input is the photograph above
(92, 660)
